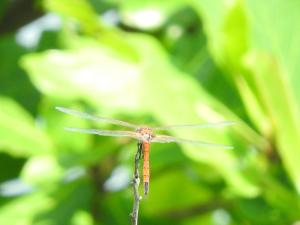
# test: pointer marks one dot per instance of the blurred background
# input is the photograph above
(157, 63)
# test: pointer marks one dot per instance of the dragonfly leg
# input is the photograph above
(140, 151)
(137, 158)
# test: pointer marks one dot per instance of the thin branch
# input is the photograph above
(135, 183)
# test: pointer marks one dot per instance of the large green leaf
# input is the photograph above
(282, 110)
(238, 31)
(272, 34)
(66, 200)
(86, 73)
(278, 70)
(14, 82)
(26, 207)
(20, 135)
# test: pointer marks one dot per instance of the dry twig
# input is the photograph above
(135, 183)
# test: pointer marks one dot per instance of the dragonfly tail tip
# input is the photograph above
(146, 188)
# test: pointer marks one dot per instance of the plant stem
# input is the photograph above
(135, 183)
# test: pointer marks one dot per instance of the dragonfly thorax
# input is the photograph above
(145, 134)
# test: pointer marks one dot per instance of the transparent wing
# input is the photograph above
(168, 139)
(96, 118)
(114, 133)
(204, 125)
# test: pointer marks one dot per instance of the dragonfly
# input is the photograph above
(145, 135)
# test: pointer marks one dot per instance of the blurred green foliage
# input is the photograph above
(151, 62)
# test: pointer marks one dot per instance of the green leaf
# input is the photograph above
(277, 41)
(278, 37)
(282, 110)
(86, 73)
(259, 54)
(66, 201)
(26, 207)
(14, 81)
(36, 167)
(19, 134)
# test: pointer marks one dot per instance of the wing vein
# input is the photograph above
(114, 133)
(199, 126)
(168, 139)
(95, 118)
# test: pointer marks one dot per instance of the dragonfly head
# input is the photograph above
(145, 133)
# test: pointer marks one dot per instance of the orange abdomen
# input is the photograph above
(146, 171)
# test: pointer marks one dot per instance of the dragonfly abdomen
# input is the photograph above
(146, 170)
